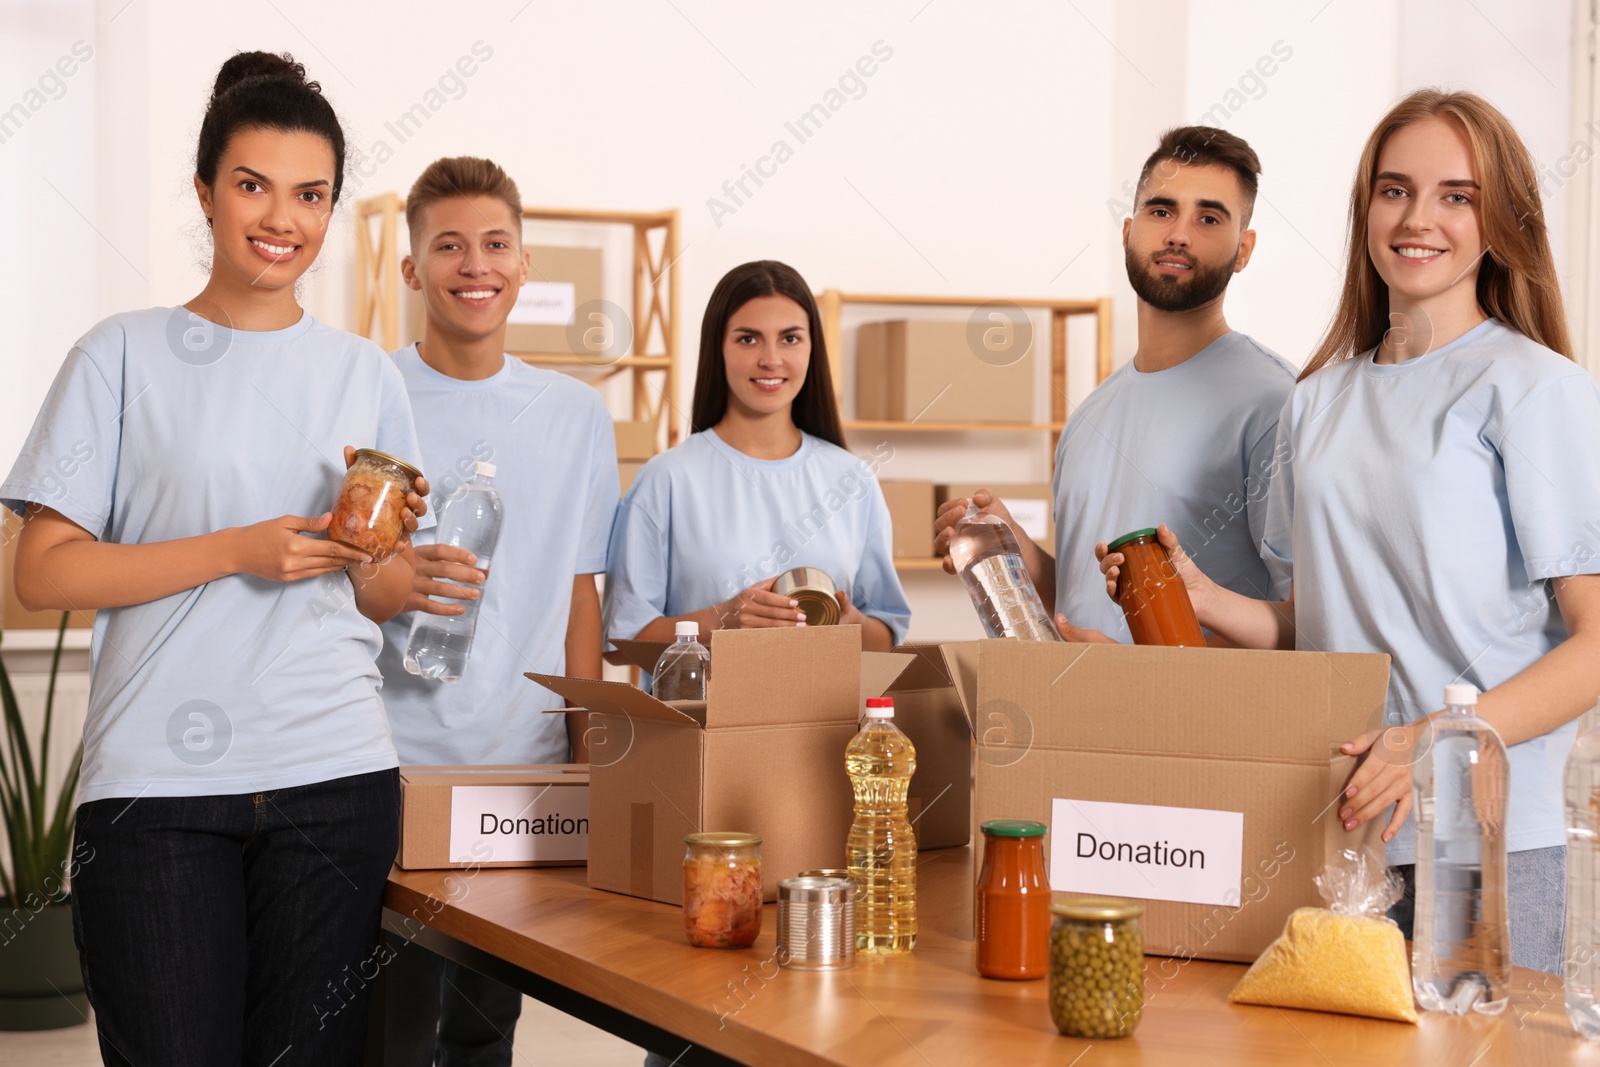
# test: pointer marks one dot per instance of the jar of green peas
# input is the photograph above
(1096, 966)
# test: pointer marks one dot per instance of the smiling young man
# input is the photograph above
(552, 445)
(1182, 434)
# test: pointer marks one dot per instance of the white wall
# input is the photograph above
(48, 180)
(979, 158)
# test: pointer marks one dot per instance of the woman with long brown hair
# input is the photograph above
(762, 485)
(1441, 482)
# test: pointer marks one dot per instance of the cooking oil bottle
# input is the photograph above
(882, 849)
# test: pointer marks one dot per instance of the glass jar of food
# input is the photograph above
(722, 889)
(1011, 908)
(1096, 966)
(372, 499)
(1152, 595)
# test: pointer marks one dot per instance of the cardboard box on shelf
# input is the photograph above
(928, 709)
(562, 280)
(764, 754)
(504, 815)
(626, 469)
(1031, 504)
(930, 371)
(636, 439)
(911, 512)
(1202, 781)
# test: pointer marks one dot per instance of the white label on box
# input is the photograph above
(1142, 850)
(500, 823)
(1033, 516)
(544, 304)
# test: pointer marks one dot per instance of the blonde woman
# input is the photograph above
(1442, 486)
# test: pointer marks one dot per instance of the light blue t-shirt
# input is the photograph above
(554, 449)
(1424, 508)
(161, 426)
(704, 521)
(1190, 446)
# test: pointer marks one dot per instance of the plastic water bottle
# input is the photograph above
(684, 667)
(989, 560)
(1461, 945)
(1583, 881)
(881, 849)
(440, 644)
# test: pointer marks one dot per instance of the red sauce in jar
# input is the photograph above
(1152, 595)
(1011, 915)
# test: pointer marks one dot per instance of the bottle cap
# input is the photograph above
(1460, 695)
(485, 469)
(687, 629)
(880, 707)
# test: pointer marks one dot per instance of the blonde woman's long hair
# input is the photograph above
(1517, 281)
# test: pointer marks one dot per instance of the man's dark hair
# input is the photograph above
(1208, 146)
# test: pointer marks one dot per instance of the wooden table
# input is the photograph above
(623, 964)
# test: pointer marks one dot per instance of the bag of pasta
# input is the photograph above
(1348, 957)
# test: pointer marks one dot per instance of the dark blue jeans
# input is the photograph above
(225, 930)
(440, 1014)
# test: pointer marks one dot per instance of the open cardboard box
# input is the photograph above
(499, 815)
(1067, 733)
(928, 709)
(764, 753)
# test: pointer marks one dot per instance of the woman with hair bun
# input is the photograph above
(237, 809)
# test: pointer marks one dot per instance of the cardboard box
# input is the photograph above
(562, 280)
(1032, 505)
(1243, 742)
(764, 754)
(13, 616)
(626, 469)
(928, 709)
(911, 511)
(929, 370)
(494, 816)
(635, 439)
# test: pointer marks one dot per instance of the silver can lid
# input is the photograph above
(815, 890)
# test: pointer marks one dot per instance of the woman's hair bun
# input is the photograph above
(245, 65)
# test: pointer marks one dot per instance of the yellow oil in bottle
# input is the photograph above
(881, 849)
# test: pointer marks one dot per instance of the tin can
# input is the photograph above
(817, 923)
(814, 590)
(372, 499)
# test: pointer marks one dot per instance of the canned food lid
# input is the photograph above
(385, 457)
(812, 890)
(1096, 908)
(723, 839)
(1125, 538)
(825, 872)
(1013, 828)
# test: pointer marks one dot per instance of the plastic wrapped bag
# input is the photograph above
(1347, 957)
